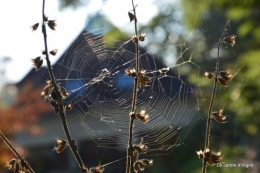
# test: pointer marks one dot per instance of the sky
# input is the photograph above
(21, 44)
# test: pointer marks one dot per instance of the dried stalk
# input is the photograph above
(23, 162)
(213, 98)
(131, 123)
(59, 100)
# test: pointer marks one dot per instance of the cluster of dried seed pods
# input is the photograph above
(17, 166)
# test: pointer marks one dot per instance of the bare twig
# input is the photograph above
(59, 100)
(23, 162)
(213, 98)
(131, 123)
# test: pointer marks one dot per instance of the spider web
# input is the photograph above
(93, 72)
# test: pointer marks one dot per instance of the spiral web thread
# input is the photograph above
(101, 94)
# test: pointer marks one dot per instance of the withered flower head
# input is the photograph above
(68, 107)
(52, 24)
(164, 70)
(142, 79)
(45, 17)
(230, 40)
(212, 158)
(135, 39)
(131, 16)
(142, 37)
(97, 169)
(222, 82)
(140, 148)
(226, 75)
(62, 144)
(219, 117)
(130, 72)
(35, 26)
(208, 75)
(54, 52)
(142, 116)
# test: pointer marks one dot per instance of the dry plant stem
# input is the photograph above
(210, 110)
(59, 100)
(16, 153)
(131, 123)
(212, 98)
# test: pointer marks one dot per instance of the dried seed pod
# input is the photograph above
(54, 52)
(131, 16)
(38, 65)
(43, 52)
(138, 166)
(130, 72)
(140, 148)
(142, 37)
(212, 158)
(142, 79)
(61, 141)
(45, 92)
(11, 164)
(59, 148)
(132, 115)
(45, 18)
(222, 82)
(52, 24)
(135, 39)
(62, 144)
(35, 26)
(142, 116)
(226, 75)
(49, 83)
(208, 75)
(97, 169)
(147, 162)
(63, 92)
(37, 62)
(164, 70)
(219, 117)
(230, 40)
(200, 154)
(68, 107)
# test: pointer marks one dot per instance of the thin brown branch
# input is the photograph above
(59, 100)
(131, 123)
(8, 143)
(213, 97)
